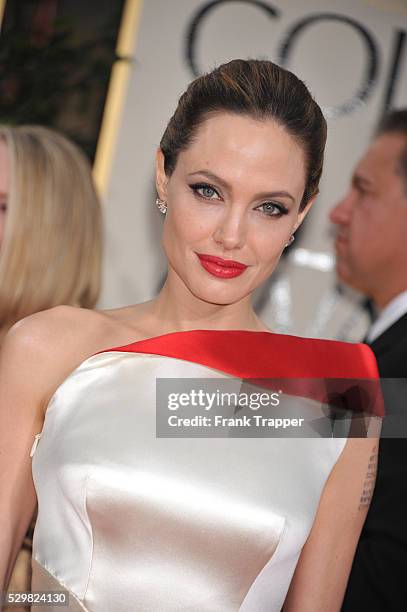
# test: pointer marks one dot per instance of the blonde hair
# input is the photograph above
(52, 245)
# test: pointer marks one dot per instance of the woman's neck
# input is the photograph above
(180, 310)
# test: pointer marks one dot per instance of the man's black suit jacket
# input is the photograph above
(378, 578)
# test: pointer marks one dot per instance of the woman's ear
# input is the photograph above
(160, 176)
(301, 215)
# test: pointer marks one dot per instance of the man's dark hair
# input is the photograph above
(396, 122)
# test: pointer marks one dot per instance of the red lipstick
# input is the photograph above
(222, 268)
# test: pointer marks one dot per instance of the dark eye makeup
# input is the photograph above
(276, 206)
(268, 212)
(204, 187)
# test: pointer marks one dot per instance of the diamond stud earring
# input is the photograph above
(290, 240)
(161, 205)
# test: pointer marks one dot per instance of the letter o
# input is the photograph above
(372, 65)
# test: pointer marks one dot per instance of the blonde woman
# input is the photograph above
(50, 241)
(50, 224)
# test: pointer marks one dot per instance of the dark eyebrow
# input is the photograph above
(271, 194)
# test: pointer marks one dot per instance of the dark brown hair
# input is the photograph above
(258, 89)
(395, 122)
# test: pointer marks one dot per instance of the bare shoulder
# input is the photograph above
(40, 351)
(58, 329)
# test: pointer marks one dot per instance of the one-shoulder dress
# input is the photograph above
(132, 521)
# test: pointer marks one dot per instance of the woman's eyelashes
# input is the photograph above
(273, 209)
(269, 209)
(204, 191)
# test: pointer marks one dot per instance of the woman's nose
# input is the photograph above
(231, 231)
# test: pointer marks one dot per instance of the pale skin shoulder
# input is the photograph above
(36, 356)
(323, 569)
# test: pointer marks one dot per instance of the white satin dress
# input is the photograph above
(128, 521)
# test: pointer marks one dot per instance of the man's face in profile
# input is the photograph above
(371, 219)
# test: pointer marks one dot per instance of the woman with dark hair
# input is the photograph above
(129, 520)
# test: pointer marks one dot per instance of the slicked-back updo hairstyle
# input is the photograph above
(258, 89)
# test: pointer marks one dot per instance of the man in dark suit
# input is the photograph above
(371, 255)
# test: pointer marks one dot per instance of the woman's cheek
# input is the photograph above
(195, 226)
(272, 239)
(266, 246)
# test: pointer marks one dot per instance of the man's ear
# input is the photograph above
(160, 176)
(301, 215)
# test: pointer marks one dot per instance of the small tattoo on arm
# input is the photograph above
(370, 478)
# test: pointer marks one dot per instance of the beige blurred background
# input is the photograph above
(339, 48)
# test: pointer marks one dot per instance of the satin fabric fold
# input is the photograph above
(127, 521)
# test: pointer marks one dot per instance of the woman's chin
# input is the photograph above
(218, 296)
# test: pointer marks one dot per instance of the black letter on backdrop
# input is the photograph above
(193, 29)
(398, 47)
(372, 65)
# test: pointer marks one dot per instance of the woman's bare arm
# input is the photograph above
(37, 354)
(322, 572)
(21, 399)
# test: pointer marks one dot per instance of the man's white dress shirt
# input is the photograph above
(391, 313)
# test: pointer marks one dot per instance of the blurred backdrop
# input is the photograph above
(108, 74)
